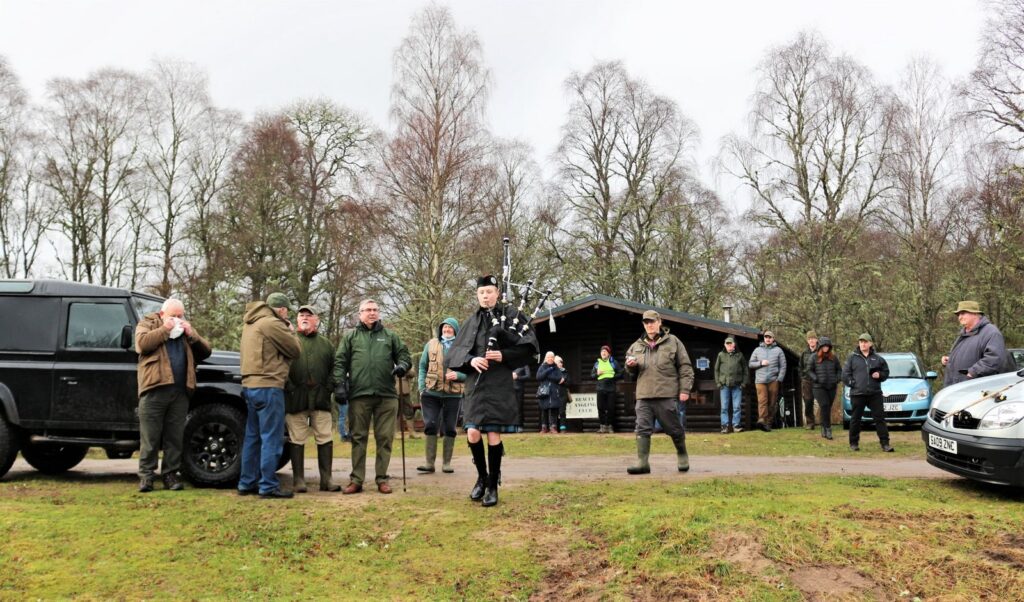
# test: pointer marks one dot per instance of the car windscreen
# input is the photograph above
(144, 306)
(903, 367)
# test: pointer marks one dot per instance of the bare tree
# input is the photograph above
(924, 170)
(337, 148)
(177, 107)
(814, 159)
(92, 166)
(996, 87)
(435, 176)
(24, 213)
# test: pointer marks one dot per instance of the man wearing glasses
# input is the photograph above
(368, 359)
(769, 362)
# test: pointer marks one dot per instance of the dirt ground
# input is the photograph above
(519, 471)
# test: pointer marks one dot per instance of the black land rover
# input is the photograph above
(68, 382)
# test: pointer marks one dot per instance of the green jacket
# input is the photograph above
(663, 367)
(311, 378)
(807, 359)
(731, 370)
(366, 358)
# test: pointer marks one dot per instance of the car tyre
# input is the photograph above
(8, 446)
(212, 454)
(53, 458)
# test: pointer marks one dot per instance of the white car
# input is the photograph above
(976, 429)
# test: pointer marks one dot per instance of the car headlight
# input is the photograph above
(920, 394)
(1002, 416)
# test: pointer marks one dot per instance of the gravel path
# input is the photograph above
(518, 471)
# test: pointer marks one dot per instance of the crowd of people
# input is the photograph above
(292, 376)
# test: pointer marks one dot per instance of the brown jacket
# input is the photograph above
(268, 347)
(154, 364)
(663, 368)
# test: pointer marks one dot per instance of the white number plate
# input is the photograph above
(942, 444)
(893, 407)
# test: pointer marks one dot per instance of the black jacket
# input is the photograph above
(857, 373)
(826, 373)
(490, 397)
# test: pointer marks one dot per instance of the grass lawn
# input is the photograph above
(782, 442)
(764, 538)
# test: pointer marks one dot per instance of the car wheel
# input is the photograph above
(53, 458)
(213, 445)
(8, 446)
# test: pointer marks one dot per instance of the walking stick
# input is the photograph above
(401, 426)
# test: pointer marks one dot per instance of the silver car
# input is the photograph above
(976, 429)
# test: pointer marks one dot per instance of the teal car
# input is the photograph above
(907, 394)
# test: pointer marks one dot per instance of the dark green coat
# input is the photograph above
(731, 370)
(807, 360)
(367, 357)
(310, 379)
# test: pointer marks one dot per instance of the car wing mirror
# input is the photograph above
(931, 375)
(126, 336)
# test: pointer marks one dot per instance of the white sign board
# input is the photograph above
(584, 405)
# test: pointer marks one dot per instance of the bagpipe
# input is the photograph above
(507, 325)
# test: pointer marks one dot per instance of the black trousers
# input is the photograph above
(605, 406)
(549, 418)
(874, 402)
(823, 397)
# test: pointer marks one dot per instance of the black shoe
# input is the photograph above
(145, 484)
(764, 427)
(828, 433)
(277, 494)
(854, 447)
(490, 497)
(172, 482)
(248, 491)
(887, 448)
(478, 490)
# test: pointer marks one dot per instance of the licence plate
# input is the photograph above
(893, 407)
(941, 443)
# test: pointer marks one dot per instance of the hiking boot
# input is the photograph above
(352, 488)
(643, 454)
(431, 455)
(887, 448)
(828, 433)
(764, 427)
(737, 429)
(725, 429)
(383, 487)
(854, 447)
(448, 447)
(145, 484)
(276, 494)
(543, 429)
(173, 482)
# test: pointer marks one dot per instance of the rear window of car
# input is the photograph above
(29, 323)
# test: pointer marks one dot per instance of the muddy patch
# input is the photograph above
(834, 583)
(1008, 549)
(577, 574)
(742, 550)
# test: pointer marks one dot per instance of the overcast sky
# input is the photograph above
(261, 55)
